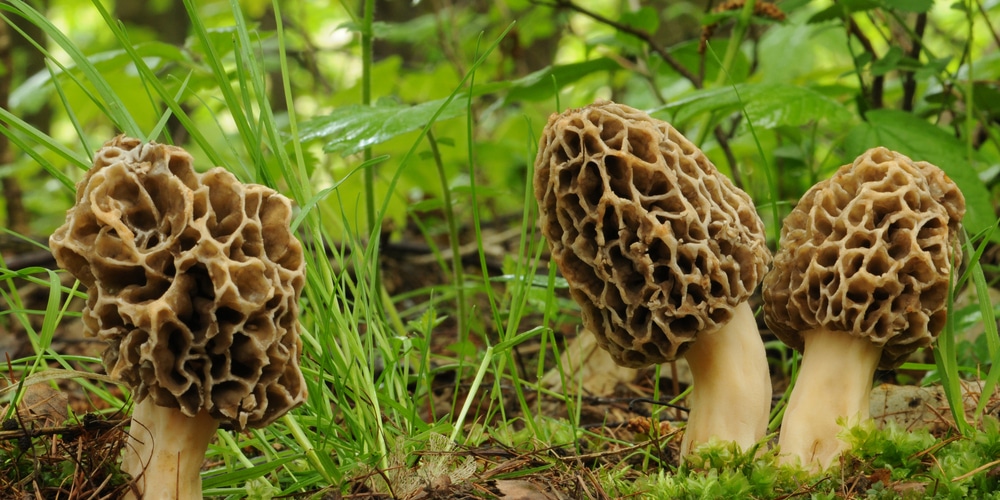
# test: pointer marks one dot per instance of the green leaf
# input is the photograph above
(922, 141)
(350, 129)
(841, 9)
(543, 83)
(769, 105)
(777, 105)
(915, 6)
(888, 62)
(35, 91)
(644, 19)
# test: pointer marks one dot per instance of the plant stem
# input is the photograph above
(366, 100)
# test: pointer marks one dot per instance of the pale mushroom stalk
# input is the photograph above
(166, 450)
(731, 396)
(816, 415)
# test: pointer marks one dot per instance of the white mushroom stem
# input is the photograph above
(731, 396)
(166, 450)
(832, 390)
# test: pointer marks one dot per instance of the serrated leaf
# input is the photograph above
(543, 83)
(922, 141)
(780, 105)
(769, 105)
(350, 129)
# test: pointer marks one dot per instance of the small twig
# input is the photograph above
(640, 34)
(633, 401)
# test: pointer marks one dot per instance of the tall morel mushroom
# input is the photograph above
(661, 252)
(860, 282)
(193, 282)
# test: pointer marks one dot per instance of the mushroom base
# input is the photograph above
(832, 391)
(731, 397)
(166, 450)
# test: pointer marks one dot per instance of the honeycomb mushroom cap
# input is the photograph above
(193, 281)
(868, 252)
(656, 244)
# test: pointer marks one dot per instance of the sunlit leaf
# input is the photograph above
(543, 83)
(350, 129)
(35, 91)
(915, 6)
(769, 105)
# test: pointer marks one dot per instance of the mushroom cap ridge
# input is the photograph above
(868, 252)
(656, 244)
(193, 281)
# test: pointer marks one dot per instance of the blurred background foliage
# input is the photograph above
(813, 84)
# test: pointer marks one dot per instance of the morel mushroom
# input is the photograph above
(860, 282)
(661, 252)
(193, 281)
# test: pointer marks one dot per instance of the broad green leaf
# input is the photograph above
(769, 105)
(776, 105)
(35, 90)
(842, 8)
(644, 19)
(915, 6)
(543, 83)
(922, 141)
(987, 97)
(350, 129)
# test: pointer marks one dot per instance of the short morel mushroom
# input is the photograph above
(860, 282)
(193, 282)
(661, 252)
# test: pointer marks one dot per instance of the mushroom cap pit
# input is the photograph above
(193, 281)
(868, 252)
(656, 244)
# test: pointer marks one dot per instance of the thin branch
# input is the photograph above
(640, 34)
(986, 17)
(875, 92)
(730, 157)
(910, 81)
